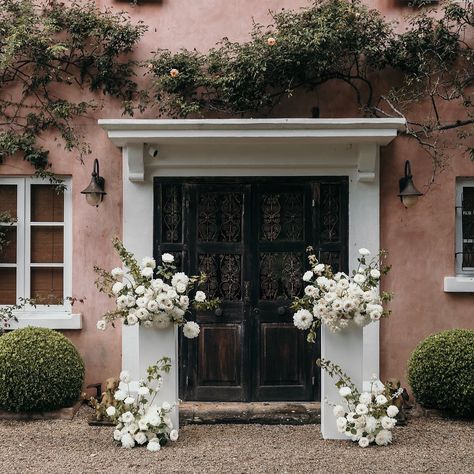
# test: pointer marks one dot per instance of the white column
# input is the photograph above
(142, 347)
(346, 350)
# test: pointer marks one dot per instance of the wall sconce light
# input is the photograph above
(408, 193)
(95, 191)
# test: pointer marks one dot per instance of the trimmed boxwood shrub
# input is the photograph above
(441, 372)
(40, 370)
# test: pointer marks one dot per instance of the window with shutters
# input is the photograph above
(465, 227)
(36, 262)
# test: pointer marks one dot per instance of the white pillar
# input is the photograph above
(346, 350)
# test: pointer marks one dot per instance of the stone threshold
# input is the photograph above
(266, 413)
(67, 413)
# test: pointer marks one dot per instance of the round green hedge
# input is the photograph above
(40, 370)
(441, 372)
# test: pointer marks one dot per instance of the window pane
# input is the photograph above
(468, 226)
(47, 244)
(46, 204)
(7, 285)
(47, 285)
(8, 199)
(8, 251)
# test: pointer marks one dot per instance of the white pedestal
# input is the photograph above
(346, 350)
(144, 347)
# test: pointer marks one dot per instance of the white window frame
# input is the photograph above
(463, 282)
(52, 316)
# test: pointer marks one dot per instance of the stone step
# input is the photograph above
(267, 413)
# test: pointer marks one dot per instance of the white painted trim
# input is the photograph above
(459, 284)
(44, 319)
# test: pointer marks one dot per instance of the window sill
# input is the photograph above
(51, 320)
(459, 284)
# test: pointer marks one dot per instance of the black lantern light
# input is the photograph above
(408, 193)
(95, 191)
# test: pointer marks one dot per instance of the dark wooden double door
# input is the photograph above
(249, 236)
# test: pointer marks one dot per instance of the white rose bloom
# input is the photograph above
(167, 258)
(359, 278)
(181, 287)
(388, 423)
(143, 424)
(132, 319)
(139, 290)
(143, 391)
(127, 441)
(117, 273)
(149, 262)
(341, 424)
(319, 268)
(191, 330)
(117, 435)
(345, 391)
(125, 376)
(179, 277)
(184, 301)
(133, 428)
(167, 421)
(350, 417)
(121, 302)
(370, 424)
(361, 409)
(339, 411)
(111, 411)
(392, 411)
(142, 302)
(360, 320)
(375, 315)
(161, 321)
(374, 273)
(101, 325)
(166, 287)
(117, 287)
(152, 306)
(174, 435)
(153, 445)
(127, 417)
(363, 442)
(364, 252)
(200, 296)
(383, 438)
(147, 324)
(140, 438)
(129, 401)
(171, 294)
(154, 419)
(142, 313)
(311, 290)
(330, 296)
(120, 395)
(365, 398)
(303, 319)
(381, 400)
(157, 284)
(377, 387)
(147, 272)
(130, 301)
(166, 406)
(322, 281)
(308, 275)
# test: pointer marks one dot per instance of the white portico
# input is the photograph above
(254, 148)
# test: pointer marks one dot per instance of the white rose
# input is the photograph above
(167, 421)
(143, 424)
(117, 287)
(345, 391)
(129, 401)
(167, 258)
(381, 400)
(364, 252)
(111, 411)
(120, 395)
(319, 268)
(139, 290)
(153, 445)
(101, 325)
(148, 262)
(127, 441)
(374, 273)
(161, 321)
(341, 424)
(184, 301)
(370, 424)
(147, 272)
(121, 302)
(125, 376)
(140, 438)
(117, 435)
(171, 294)
(143, 391)
(365, 398)
(166, 406)
(377, 387)
(152, 306)
(359, 278)
(339, 411)
(142, 302)
(392, 411)
(128, 417)
(132, 319)
(303, 319)
(117, 273)
(181, 287)
(157, 284)
(174, 435)
(191, 330)
(361, 409)
(360, 320)
(375, 315)
(363, 442)
(311, 290)
(180, 277)
(200, 296)
(131, 301)
(383, 438)
(308, 275)
(154, 419)
(142, 313)
(388, 423)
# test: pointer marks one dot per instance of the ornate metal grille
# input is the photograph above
(282, 216)
(468, 227)
(330, 212)
(172, 202)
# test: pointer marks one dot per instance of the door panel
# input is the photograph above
(249, 236)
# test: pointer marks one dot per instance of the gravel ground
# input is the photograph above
(431, 445)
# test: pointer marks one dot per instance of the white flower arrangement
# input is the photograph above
(151, 295)
(139, 421)
(368, 417)
(336, 300)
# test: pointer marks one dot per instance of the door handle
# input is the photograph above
(281, 310)
(246, 291)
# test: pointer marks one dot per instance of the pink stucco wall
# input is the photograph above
(420, 240)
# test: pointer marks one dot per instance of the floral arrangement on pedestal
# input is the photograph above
(151, 295)
(367, 417)
(336, 300)
(139, 421)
